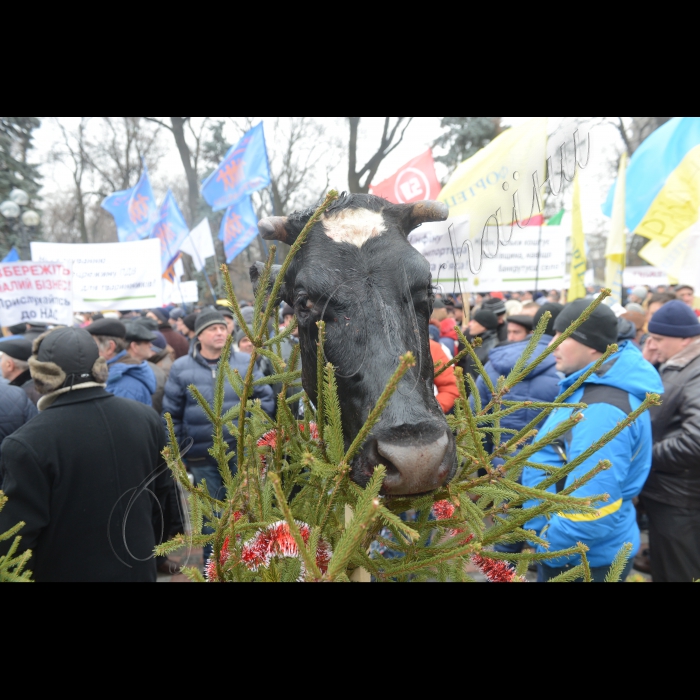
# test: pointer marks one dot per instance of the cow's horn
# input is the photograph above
(424, 212)
(274, 229)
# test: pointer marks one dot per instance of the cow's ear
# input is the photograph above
(256, 273)
(413, 215)
(277, 228)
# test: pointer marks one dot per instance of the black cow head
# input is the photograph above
(358, 273)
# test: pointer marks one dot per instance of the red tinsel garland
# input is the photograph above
(495, 571)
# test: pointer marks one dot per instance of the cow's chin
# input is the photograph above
(413, 468)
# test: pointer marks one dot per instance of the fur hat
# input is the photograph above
(66, 357)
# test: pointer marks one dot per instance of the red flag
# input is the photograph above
(414, 182)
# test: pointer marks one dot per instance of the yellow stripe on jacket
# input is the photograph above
(602, 513)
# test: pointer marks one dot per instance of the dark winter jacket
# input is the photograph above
(15, 410)
(175, 340)
(675, 475)
(74, 474)
(130, 379)
(26, 383)
(541, 385)
(489, 342)
(161, 364)
(189, 419)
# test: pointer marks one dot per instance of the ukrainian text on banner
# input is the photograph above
(645, 277)
(500, 177)
(36, 292)
(110, 276)
(535, 257)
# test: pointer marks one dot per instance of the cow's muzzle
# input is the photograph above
(414, 466)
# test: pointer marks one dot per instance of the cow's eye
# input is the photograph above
(304, 305)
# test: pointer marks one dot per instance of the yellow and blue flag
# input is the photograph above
(663, 182)
(245, 169)
(238, 229)
(172, 231)
(12, 256)
(135, 211)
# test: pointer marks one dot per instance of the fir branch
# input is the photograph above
(368, 509)
(320, 380)
(333, 438)
(619, 565)
(407, 362)
(287, 333)
(233, 300)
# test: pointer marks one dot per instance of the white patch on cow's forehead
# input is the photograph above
(355, 226)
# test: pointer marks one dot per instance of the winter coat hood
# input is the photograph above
(118, 369)
(505, 357)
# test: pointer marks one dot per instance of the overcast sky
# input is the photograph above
(595, 180)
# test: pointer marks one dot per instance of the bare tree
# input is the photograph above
(103, 155)
(190, 154)
(72, 152)
(360, 179)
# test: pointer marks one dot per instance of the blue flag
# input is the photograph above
(171, 229)
(238, 229)
(135, 211)
(12, 256)
(244, 170)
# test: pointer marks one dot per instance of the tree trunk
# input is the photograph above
(353, 176)
(178, 124)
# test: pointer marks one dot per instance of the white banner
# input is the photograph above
(41, 293)
(110, 276)
(534, 258)
(645, 277)
(180, 293)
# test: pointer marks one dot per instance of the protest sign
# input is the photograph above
(180, 292)
(39, 293)
(534, 258)
(645, 277)
(110, 276)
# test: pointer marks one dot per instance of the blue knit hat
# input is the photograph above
(675, 320)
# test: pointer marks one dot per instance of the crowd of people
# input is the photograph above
(82, 429)
(654, 482)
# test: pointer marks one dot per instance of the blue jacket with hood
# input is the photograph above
(612, 394)
(542, 385)
(129, 379)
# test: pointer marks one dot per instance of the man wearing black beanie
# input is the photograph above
(672, 494)
(611, 393)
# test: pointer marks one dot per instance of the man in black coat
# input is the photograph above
(79, 474)
(672, 494)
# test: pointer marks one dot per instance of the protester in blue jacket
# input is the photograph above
(199, 369)
(612, 394)
(129, 378)
(541, 385)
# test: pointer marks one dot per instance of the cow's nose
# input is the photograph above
(416, 468)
